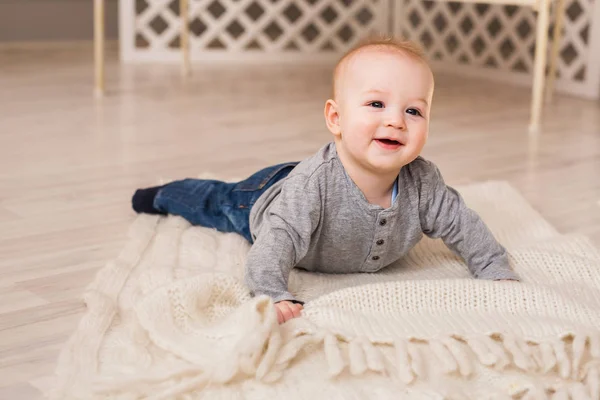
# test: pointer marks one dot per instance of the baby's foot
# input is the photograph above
(143, 200)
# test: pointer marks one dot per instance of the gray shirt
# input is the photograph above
(319, 220)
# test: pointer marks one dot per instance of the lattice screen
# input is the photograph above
(246, 28)
(502, 38)
(469, 38)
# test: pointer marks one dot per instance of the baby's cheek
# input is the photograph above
(355, 133)
(419, 137)
(367, 129)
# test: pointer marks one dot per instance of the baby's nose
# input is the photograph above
(396, 120)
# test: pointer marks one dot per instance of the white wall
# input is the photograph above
(38, 20)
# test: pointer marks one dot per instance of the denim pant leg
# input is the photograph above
(220, 205)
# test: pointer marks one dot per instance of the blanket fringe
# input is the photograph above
(548, 358)
(561, 394)
(403, 359)
(564, 366)
(595, 344)
(579, 343)
(456, 348)
(356, 358)
(573, 358)
(592, 381)
(448, 363)
(587, 388)
(418, 365)
(373, 356)
(333, 354)
(518, 350)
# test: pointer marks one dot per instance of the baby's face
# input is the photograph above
(384, 104)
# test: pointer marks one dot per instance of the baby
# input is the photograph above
(360, 203)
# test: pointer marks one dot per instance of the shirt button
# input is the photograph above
(383, 222)
(380, 242)
(375, 258)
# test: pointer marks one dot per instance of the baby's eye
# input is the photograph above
(414, 111)
(376, 104)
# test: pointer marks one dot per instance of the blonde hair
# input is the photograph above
(407, 47)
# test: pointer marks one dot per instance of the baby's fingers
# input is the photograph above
(296, 309)
(287, 310)
(280, 317)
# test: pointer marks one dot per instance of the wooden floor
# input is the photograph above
(69, 164)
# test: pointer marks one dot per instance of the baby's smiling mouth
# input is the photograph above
(389, 141)
(389, 144)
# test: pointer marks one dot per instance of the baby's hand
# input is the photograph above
(287, 310)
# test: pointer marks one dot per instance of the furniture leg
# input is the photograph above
(99, 47)
(185, 36)
(557, 34)
(541, 44)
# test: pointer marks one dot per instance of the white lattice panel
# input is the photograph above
(477, 39)
(498, 41)
(249, 29)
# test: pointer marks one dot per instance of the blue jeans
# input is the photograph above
(220, 205)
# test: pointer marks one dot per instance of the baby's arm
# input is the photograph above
(445, 215)
(283, 240)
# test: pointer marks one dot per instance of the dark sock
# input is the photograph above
(143, 200)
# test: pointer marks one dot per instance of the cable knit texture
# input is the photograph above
(170, 318)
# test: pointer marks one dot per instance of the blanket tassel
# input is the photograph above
(403, 362)
(333, 354)
(519, 352)
(560, 394)
(294, 346)
(483, 353)
(287, 353)
(548, 357)
(593, 383)
(579, 392)
(418, 366)
(357, 359)
(564, 365)
(273, 346)
(530, 393)
(460, 355)
(595, 345)
(373, 356)
(579, 345)
(444, 355)
(498, 350)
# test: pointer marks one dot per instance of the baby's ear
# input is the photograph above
(332, 117)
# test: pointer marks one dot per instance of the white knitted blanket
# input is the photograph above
(170, 318)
